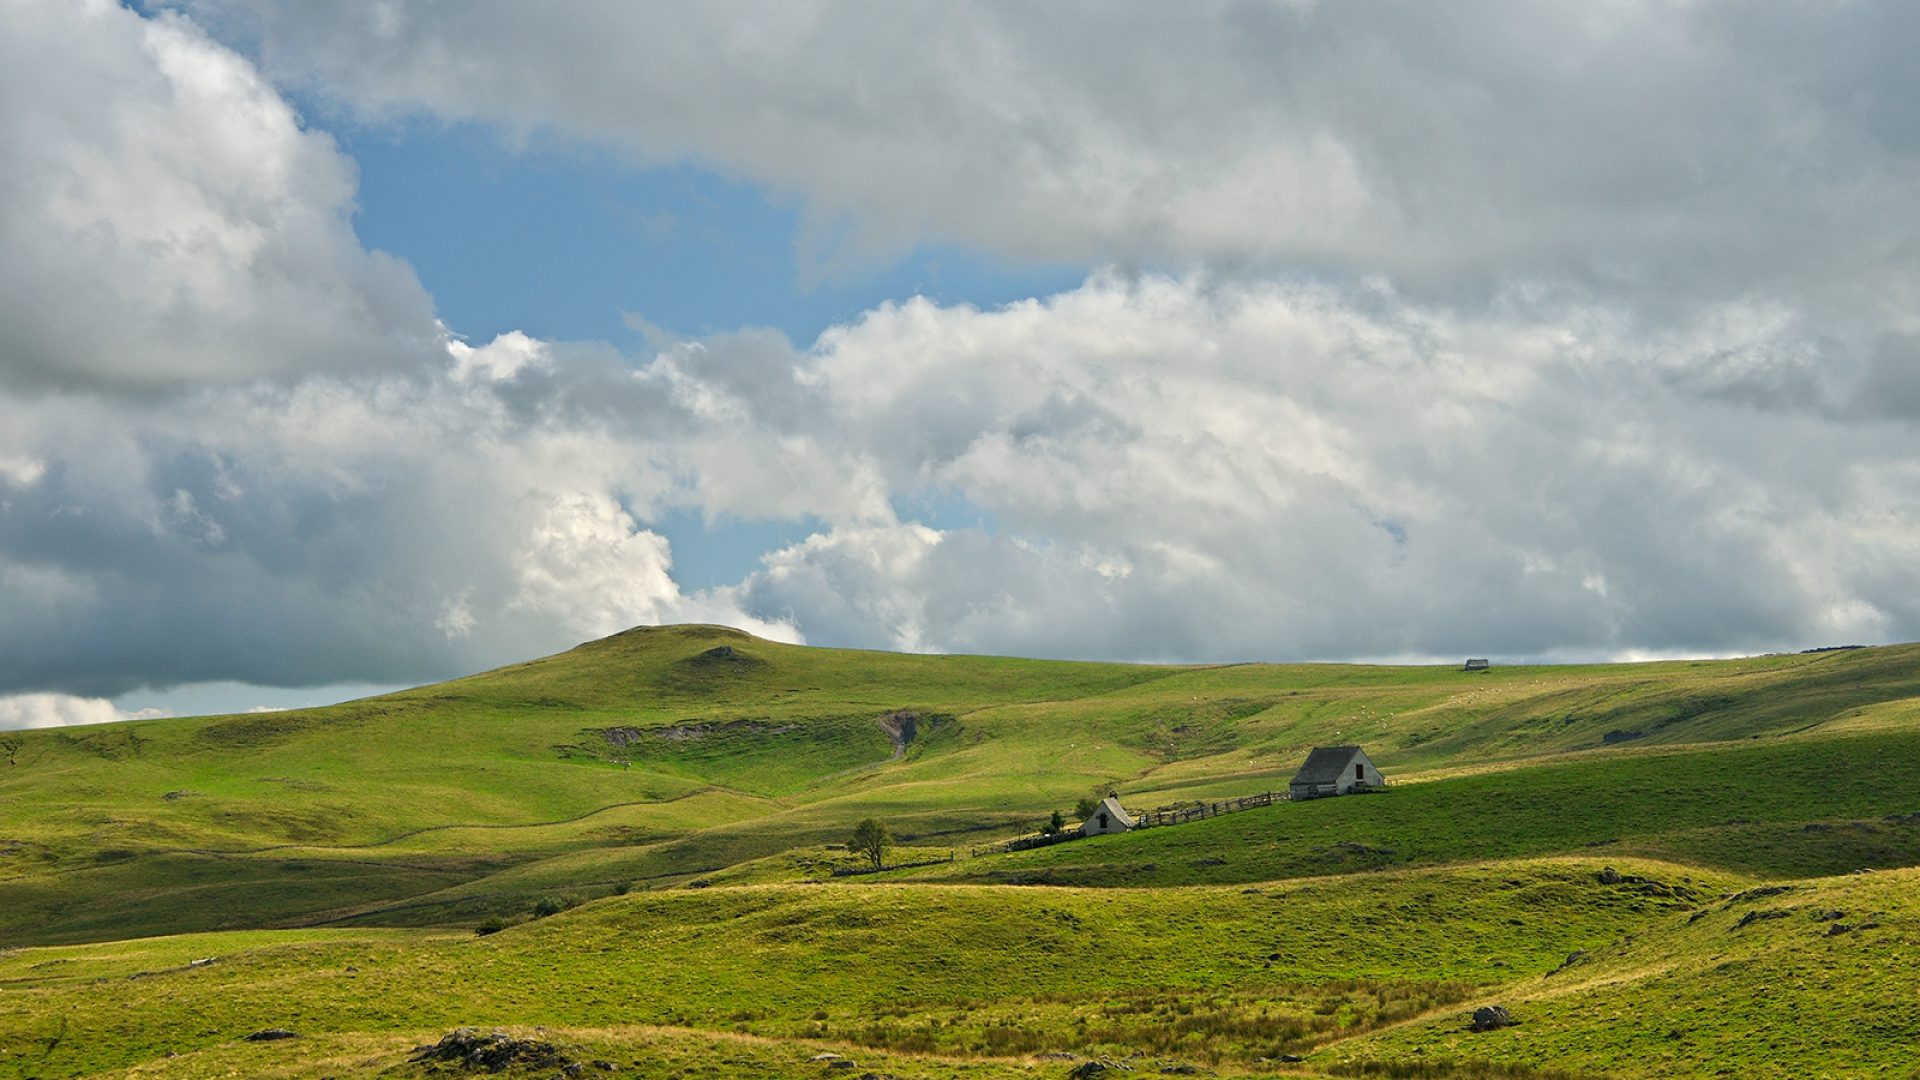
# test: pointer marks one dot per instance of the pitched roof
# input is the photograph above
(1325, 765)
(1112, 806)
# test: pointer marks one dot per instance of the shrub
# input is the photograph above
(549, 905)
(491, 926)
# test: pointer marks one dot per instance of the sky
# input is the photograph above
(349, 347)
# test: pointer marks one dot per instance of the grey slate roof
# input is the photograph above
(1326, 765)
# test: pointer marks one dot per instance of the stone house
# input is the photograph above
(1108, 817)
(1335, 770)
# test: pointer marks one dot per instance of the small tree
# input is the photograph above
(1085, 807)
(1055, 823)
(872, 838)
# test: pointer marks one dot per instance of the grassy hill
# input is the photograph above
(336, 861)
(957, 971)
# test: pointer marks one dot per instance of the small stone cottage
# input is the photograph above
(1335, 770)
(1108, 817)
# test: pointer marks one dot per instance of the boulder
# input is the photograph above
(495, 1051)
(1757, 915)
(1609, 876)
(1491, 1018)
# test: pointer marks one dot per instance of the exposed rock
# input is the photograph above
(495, 1051)
(829, 1056)
(1609, 876)
(1756, 915)
(841, 1064)
(1758, 893)
(1491, 1018)
(721, 658)
(1573, 958)
(272, 1035)
(1838, 928)
(902, 728)
(1097, 1067)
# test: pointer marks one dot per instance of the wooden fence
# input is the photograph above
(1146, 819)
(1180, 815)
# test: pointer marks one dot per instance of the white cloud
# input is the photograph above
(19, 711)
(1657, 151)
(587, 566)
(22, 471)
(1299, 470)
(168, 221)
(502, 358)
(1211, 465)
(1170, 468)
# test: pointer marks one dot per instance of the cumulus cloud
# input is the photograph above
(19, 711)
(383, 531)
(1182, 468)
(1163, 468)
(233, 444)
(167, 220)
(1655, 150)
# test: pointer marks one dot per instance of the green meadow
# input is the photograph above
(1665, 869)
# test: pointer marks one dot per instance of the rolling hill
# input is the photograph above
(683, 789)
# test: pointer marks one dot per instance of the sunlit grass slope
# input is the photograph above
(663, 756)
(1778, 808)
(1211, 975)
(1812, 979)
